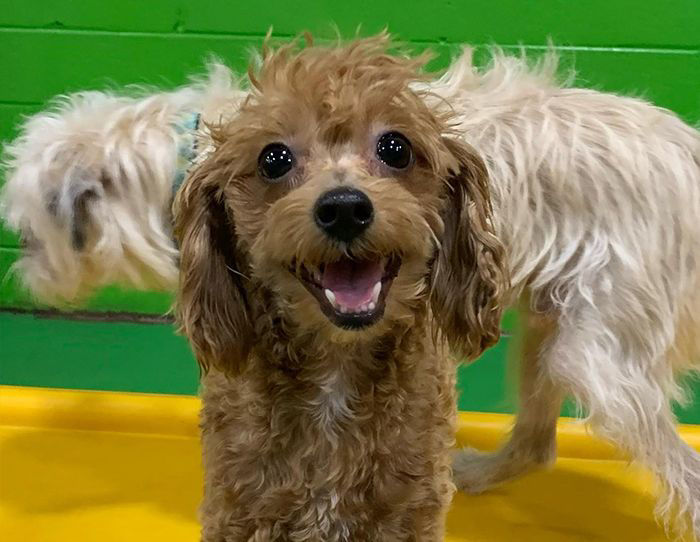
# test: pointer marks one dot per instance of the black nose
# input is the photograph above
(343, 213)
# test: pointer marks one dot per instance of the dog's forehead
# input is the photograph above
(337, 95)
(336, 115)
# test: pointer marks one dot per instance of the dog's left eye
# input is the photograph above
(394, 150)
(275, 161)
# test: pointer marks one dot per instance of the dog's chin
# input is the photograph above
(351, 292)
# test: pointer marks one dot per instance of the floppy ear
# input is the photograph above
(212, 306)
(469, 275)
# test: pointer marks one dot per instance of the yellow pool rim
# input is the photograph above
(177, 416)
(108, 467)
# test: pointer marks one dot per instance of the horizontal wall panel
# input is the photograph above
(151, 358)
(117, 356)
(63, 62)
(132, 15)
(674, 23)
(105, 59)
(593, 22)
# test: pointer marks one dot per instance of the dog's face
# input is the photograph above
(344, 223)
(333, 189)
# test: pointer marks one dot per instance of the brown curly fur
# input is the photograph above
(312, 432)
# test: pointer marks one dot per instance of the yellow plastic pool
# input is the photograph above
(97, 466)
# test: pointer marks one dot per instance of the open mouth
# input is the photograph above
(351, 292)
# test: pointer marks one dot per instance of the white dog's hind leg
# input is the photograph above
(532, 443)
(626, 396)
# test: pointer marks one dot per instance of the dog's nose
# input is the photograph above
(343, 213)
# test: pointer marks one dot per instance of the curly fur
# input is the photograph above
(596, 199)
(313, 432)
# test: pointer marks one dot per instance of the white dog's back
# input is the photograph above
(597, 196)
(597, 199)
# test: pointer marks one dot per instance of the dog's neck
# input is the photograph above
(333, 386)
(291, 353)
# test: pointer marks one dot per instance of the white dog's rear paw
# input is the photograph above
(472, 470)
(475, 472)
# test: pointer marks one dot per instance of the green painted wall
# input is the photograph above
(49, 47)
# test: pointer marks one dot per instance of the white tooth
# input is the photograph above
(343, 309)
(330, 296)
(376, 290)
(363, 308)
(372, 305)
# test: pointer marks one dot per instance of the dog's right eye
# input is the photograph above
(275, 161)
(394, 150)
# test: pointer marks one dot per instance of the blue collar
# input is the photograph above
(186, 129)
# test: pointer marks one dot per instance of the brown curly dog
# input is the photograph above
(334, 242)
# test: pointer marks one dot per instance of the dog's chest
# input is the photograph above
(331, 404)
(318, 460)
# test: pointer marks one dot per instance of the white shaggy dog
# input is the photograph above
(597, 199)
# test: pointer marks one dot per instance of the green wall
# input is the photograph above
(48, 47)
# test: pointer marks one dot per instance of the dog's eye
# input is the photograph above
(275, 161)
(394, 150)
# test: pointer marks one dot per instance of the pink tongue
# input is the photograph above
(352, 281)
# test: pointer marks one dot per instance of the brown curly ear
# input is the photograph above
(211, 308)
(469, 275)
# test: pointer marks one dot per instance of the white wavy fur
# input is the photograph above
(89, 186)
(597, 198)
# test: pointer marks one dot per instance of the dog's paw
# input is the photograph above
(473, 470)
